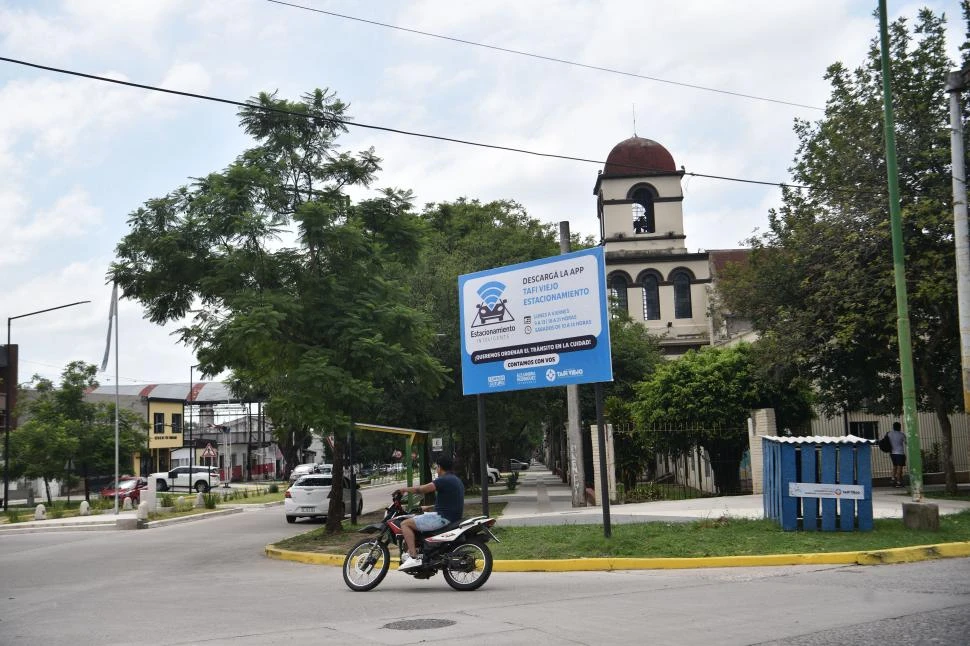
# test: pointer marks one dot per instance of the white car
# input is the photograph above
(493, 474)
(308, 468)
(309, 497)
(178, 478)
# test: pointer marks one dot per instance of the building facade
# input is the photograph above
(651, 274)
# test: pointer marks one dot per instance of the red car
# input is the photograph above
(128, 487)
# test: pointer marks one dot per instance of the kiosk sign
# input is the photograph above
(536, 324)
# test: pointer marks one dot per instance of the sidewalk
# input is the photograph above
(543, 499)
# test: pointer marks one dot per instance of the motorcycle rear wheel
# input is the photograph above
(468, 566)
(366, 565)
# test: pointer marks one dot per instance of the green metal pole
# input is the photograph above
(910, 418)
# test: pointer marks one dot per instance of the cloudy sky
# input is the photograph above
(77, 155)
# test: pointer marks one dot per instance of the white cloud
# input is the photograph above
(71, 216)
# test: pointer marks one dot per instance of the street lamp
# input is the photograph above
(10, 387)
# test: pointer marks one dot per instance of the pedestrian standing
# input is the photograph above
(898, 453)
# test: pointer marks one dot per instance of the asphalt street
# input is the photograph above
(208, 582)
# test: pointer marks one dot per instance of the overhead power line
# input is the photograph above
(408, 133)
(551, 59)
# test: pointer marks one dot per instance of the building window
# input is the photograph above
(158, 420)
(618, 300)
(176, 422)
(868, 430)
(682, 302)
(651, 298)
(643, 220)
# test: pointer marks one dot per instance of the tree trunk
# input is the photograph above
(335, 513)
(946, 430)
(725, 458)
(87, 484)
(47, 488)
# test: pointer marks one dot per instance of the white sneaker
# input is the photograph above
(410, 563)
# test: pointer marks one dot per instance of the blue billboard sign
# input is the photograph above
(536, 324)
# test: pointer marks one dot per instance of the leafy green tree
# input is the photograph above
(63, 435)
(820, 281)
(635, 354)
(319, 318)
(462, 237)
(713, 391)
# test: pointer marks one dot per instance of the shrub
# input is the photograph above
(644, 493)
(512, 481)
(210, 500)
(168, 500)
(274, 488)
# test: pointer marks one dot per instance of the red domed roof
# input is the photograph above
(638, 156)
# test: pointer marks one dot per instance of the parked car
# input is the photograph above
(308, 468)
(178, 478)
(493, 474)
(309, 497)
(518, 465)
(128, 487)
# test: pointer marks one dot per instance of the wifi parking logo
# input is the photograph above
(492, 309)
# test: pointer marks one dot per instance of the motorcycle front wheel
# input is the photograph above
(468, 566)
(366, 565)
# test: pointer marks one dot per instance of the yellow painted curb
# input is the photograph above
(314, 558)
(873, 557)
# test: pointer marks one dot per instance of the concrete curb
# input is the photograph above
(188, 519)
(60, 527)
(312, 558)
(873, 557)
(249, 506)
(128, 522)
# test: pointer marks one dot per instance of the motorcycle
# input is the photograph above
(459, 550)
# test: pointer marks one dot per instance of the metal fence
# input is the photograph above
(931, 439)
(679, 461)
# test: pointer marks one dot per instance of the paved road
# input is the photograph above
(208, 583)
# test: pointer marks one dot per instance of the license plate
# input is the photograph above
(308, 508)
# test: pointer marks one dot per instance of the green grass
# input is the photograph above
(59, 509)
(714, 537)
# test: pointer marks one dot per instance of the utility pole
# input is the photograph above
(956, 83)
(915, 459)
(574, 437)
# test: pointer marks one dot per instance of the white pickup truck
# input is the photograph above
(178, 478)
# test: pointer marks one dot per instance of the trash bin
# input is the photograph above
(818, 483)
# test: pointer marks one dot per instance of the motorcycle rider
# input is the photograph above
(448, 508)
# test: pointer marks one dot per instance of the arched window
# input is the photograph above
(643, 220)
(682, 304)
(651, 298)
(618, 300)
